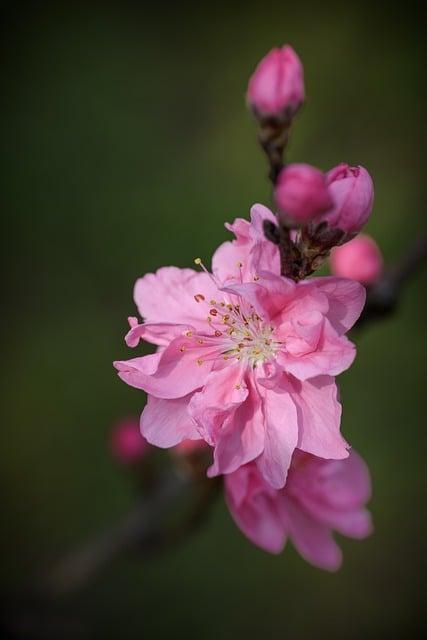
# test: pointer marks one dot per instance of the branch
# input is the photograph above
(139, 526)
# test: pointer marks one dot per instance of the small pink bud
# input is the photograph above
(301, 192)
(127, 444)
(352, 191)
(360, 259)
(276, 87)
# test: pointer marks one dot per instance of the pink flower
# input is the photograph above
(301, 192)
(127, 444)
(352, 191)
(320, 496)
(276, 87)
(246, 358)
(359, 259)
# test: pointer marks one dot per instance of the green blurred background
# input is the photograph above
(126, 145)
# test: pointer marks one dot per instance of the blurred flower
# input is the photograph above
(276, 87)
(301, 192)
(127, 444)
(246, 358)
(352, 191)
(359, 259)
(320, 496)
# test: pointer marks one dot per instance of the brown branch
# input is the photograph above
(138, 527)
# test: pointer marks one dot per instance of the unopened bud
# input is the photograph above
(301, 193)
(360, 259)
(276, 88)
(127, 444)
(352, 191)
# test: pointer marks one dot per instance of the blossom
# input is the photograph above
(127, 444)
(246, 359)
(301, 192)
(276, 87)
(320, 496)
(359, 259)
(352, 191)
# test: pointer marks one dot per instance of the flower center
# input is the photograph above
(238, 332)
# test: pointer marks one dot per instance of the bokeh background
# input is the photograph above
(126, 145)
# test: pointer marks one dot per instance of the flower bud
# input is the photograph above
(360, 259)
(127, 444)
(301, 192)
(352, 191)
(276, 88)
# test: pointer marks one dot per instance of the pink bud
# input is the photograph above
(277, 84)
(127, 444)
(360, 259)
(301, 192)
(352, 191)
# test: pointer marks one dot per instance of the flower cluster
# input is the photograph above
(247, 353)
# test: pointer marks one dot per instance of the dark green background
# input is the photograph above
(126, 145)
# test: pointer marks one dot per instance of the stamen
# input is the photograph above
(199, 263)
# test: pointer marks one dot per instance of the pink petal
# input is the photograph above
(177, 372)
(268, 296)
(312, 540)
(224, 391)
(168, 296)
(319, 417)
(281, 435)
(165, 423)
(258, 517)
(333, 355)
(346, 300)
(241, 438)
(243, 258)
(161, 333)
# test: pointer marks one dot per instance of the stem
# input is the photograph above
(81, 566)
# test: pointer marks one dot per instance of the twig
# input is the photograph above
(78, 568)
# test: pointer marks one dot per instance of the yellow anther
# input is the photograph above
(200, 362)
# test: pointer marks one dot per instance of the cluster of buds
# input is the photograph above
(316, 211)
(242, 389)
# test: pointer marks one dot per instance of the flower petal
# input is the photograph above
(241, 438)
(312, 539)
(165, 423)
(319, 417)
(257, 516)
(176, 371)
(346, 300)
(269, 295)
(333, 355)
(161, 333)
(224, 391)
(168, 296)
(281, 435)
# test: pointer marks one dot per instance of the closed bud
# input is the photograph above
(360, 259)
(301, 193)
(276, 88)
(352, 191)
(127, 444)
